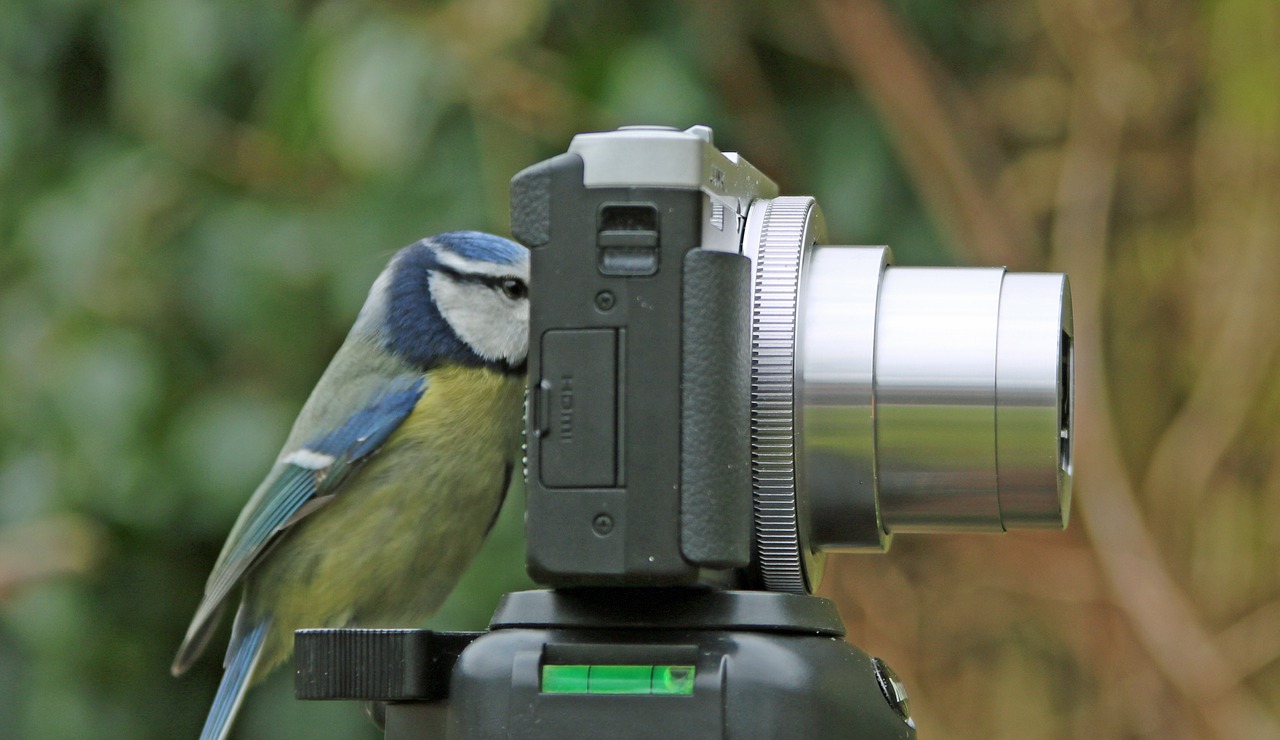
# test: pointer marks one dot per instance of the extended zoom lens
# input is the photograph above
(898, 399)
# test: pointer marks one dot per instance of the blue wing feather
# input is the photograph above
(289, 487)
(349, 445)
(292, 487)
(369, 427)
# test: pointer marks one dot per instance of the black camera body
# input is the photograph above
(716, 398)
(638, 458)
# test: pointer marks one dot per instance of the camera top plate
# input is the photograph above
(666, 157)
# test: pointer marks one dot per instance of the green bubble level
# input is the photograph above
(673, 680)
(660, 680)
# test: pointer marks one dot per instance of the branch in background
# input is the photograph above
(1163, 617)
(900, 81)
(1253, 641)
(896, 76)
(727, 56)
(1234, 328)
(1195, 442)
(36, 551)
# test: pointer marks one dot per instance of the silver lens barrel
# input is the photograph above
(925, 399)
(963, 377)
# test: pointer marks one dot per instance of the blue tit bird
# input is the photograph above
(395, 468)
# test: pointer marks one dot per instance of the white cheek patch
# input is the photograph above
(493, 326)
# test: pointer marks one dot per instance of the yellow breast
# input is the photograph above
(393, 542)
(461, 403)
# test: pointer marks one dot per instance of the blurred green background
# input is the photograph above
(196, 194)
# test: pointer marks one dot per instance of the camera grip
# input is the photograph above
(715, 470)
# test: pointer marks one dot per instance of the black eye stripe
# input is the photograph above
(491, 281)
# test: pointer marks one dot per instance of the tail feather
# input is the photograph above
(242, 658)
(197, 639)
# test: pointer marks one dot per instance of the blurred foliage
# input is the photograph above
(196, 194)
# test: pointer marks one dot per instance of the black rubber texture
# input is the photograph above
(382, 665)
(715, 450)
(531, 201)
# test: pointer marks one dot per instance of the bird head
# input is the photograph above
(461, 297)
